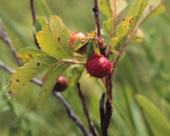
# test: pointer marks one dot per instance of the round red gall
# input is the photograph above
(76, 36)
(61, 84)
(98, 66)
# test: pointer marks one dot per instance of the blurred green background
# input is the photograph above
(144, 69)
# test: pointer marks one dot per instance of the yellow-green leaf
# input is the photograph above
(124, 27)
(105, 7)
(107, 25)
(51, 78)
(157, 121)
(61, 32)
(27, 54)
(31, 69)
(114, 42)
(137, 8)
(121, 4)
(49, 44)
(53, 39)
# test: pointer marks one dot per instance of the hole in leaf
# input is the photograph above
(38, 64)
(17, 80)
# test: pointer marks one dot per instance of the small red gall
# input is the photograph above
(76, 36)
(61, 85)
(98, 66)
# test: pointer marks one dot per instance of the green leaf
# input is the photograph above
(123, 29)
(61, 32)
(40, 22)
(92, 48)
(121, 4)
(76, 73)
(51, 78)
(29, 53)
(137, 8)
(114, 42)
(53, 39)
(105, 7)
(158, 123)
(31, 69)
(107, 25)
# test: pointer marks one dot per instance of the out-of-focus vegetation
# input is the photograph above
(143, 70)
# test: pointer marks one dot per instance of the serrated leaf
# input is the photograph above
(27, 54)
(49, 44)
(157, 121)
(61, 32)
(31, 69)
(51, 78)
(107, 25)
(124, 27)
(53, 39)
(105, 7)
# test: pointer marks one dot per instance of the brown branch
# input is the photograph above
(34, 21)
(114, 15)
(108, 106)
(90, 123)
(97, 21)
(70, 112)
(7, 40)
(102, 112)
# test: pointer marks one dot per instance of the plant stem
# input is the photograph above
(34, 21)
(84, 105)
(97, 21)
(7, 40)
(114, 15)
(70, 112)
(108, 105)
(102, 112)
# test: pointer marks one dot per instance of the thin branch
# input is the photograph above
(90, 123)
(7, 40)
(33, 11)
(97, 21)
(114, 15)
(34, 20)
(102, 112)
(70, 112)
(108, 105)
